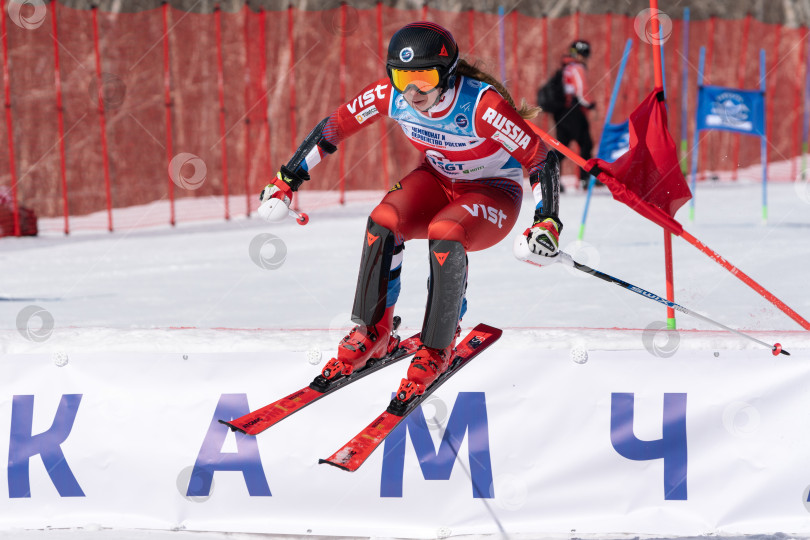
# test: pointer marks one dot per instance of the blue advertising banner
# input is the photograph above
(615, 141)
(730, 109)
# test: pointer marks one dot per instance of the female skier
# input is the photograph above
(465, 195)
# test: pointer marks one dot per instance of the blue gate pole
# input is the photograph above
(684, 90)
(803, 174)
(608, 115)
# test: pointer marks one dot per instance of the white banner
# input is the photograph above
(626, 442)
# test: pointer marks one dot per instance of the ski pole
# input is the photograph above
(300, 217)
(522, 252)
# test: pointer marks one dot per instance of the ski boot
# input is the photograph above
(364, 344)
(425, 368)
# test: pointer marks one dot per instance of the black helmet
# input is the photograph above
(423, 45)
(581, 47)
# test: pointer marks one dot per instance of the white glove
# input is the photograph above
(543, 238)
(276, 198)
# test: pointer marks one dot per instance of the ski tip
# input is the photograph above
(333, 464)
(233, 427)
(487, 328)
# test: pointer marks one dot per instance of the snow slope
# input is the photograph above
(196, 287)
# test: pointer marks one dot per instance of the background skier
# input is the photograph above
(571, 121)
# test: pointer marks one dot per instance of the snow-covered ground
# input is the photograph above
(245, 285)
(201, 286)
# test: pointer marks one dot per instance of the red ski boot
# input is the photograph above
(425, 368)
(363, 343)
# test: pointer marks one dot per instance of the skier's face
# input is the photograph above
(421, 101)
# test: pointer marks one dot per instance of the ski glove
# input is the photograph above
(277, 196)
(543, 237)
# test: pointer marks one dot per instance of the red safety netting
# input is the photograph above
(246, 87)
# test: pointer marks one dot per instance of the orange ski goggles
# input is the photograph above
(424, 80)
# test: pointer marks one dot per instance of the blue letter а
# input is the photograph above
(23, 445)
(245, 459)
(469, 414)
(671, 447)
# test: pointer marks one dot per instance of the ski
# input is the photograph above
(259, 420)
(354, 453)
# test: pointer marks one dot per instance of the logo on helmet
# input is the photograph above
(406, 54)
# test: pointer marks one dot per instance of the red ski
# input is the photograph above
(257, 421)
(356, 451)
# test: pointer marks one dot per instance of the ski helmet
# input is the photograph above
(422, 54)
(581, 47)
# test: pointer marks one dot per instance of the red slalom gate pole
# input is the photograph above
(573, 156)
(609, 41)
(383, 131)
(293, 104)
(247, 111)
(57, 77)
(797, 109)
(656, 45)
(9, 122)
(102, 120)
(221, 95)
(342, 68)
(770, 95)
(263, 87)
(632, 74)
(669, 273)
(709, 51)
(515, 84)
(167, 105)
(746, 279)
(740, 81)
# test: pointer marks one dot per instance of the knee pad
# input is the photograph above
(385, 215)
(447, 229)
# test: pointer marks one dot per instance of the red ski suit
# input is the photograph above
(469, 187)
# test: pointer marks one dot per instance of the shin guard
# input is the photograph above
(375, 269)
(448, 282)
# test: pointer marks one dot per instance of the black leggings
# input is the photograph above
(572, 125)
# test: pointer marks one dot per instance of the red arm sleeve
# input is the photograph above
(363, 110)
